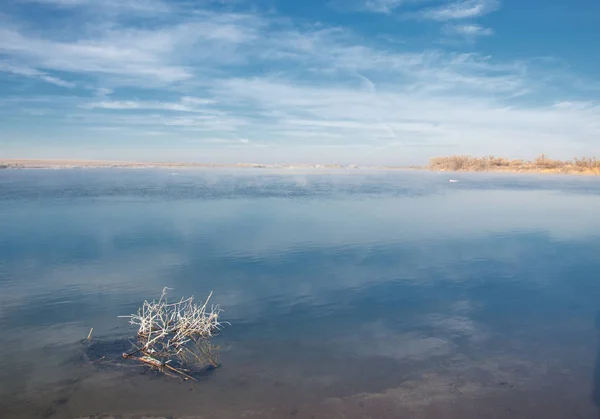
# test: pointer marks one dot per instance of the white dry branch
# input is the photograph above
(172, 336)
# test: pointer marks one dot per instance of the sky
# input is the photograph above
(308, 81)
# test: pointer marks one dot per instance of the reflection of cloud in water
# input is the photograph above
(458, 327)
(287, 276)
(52, 287)
(425, 336)
(375, 339)
(278, 224)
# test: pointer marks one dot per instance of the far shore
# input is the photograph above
(542, 165)
(72, 164)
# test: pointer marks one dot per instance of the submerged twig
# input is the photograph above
(172, 335)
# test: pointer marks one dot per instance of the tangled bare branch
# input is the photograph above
(172, 336)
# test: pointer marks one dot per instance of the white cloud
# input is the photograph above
(197, 100)
(186, 104)
(299, 87)
(577, 106)
(382, 6)
(462, 9)
(115, 55)
(103, 91)
(33, 73)
(109, 6)
(374, 6)
(137, 56)
(119, 105)
(467, 30)
(399, 118)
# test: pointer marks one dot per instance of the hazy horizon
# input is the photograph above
(369, 82)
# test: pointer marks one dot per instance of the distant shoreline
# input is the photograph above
(451, 164)
(98, 164)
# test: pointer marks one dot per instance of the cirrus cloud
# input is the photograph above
(187, 74)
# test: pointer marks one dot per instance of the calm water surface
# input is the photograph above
(350, 295)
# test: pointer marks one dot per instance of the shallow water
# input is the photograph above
(350, 295)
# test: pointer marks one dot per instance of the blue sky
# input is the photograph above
(340, 81)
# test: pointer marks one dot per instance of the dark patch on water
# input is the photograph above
(107, 349)
(108, 354)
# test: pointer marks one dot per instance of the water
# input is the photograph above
(350, 295)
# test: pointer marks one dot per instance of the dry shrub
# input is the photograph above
(466, 163)
(174, 336)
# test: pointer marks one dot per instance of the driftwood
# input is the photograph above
(173, 336)
(158, 365)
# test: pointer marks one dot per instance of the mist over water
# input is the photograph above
(350, 294)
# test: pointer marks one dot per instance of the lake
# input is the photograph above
(351, 294)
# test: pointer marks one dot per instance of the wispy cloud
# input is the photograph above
(103, 91)
(577, 106)
(141, 56)
(462, 9)
(290, 86)
(375, 6)
(414, 118)
(33, 73)
(469, 31)
(187, 104)
(382, 6)
(110, 6)
(128, 54)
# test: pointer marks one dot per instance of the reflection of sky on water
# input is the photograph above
(405, 266)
